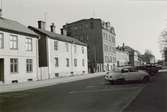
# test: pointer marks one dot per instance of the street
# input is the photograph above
(90, 95)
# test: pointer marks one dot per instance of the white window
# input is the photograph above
(13, 42)
(83, 62)
(1, 40)
(82, 50)
(29, 65)
(67, 47)
(75, 49)
(68, 62)
(13, 65)
(28, 44)
(56, 62)
(56, 45)
(75, 62)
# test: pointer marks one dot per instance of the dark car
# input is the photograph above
(149, 68)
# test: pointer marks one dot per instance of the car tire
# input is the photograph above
(146, 79)
(112, 82)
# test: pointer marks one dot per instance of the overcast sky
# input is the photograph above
(138, 23)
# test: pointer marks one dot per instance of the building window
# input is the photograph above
(13, 65)
(56, 62)
(91, 25)
(13, 42)
(68, 62)
(82, 50)
(75, 62)
(29, 65)
(83, 62)
(56, 45)
(28, 44)
(1, 40)
(75, 49)
(67, 47)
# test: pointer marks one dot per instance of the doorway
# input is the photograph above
(1, 69)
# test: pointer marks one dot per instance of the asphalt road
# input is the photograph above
(153, 97)
(91, 95)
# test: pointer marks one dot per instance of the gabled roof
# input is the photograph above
(56, 36)
(15, 27)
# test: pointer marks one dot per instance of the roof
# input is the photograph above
(56, 36)
(15, 27)
(84, 20)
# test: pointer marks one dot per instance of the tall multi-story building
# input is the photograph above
(100, 38)
(59, 55)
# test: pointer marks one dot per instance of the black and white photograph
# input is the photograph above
(83, 55)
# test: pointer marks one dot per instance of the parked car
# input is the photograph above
(127, 74)
(149, 68)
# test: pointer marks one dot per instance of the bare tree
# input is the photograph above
(163, 44)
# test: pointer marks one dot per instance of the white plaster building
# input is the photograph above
(122, 58)
(18, 52)
(59, 55)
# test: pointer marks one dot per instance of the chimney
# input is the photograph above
(0, 12)
(52, 27)
(41, 25)
(123, 46)
(63, 32)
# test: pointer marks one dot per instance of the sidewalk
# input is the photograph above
(37, 84)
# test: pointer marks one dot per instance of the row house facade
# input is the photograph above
(59, 55)
(134, 55)
(18, 52)
(100, 38)
(122, 57)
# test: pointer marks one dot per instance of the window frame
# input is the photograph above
(67, 62)
(13, 42)
(56, 62)
(75, 62)
(29, 65)
(29, 44)
(14, 65)
(55, 45)
(1, 40)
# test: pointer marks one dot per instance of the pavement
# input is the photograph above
(89, 95)
(153, 98)
(43, 83)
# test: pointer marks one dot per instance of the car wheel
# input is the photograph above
(112, 82)
(146, 79)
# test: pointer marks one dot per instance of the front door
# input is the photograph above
(1, 69)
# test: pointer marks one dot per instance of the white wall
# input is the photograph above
(21, 54)
(122, 57)
(62, 54)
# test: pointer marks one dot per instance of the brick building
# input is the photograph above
(100, 39)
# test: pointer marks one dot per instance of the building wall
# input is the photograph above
(62, 54)
(109, 50)
(21, 54)
(90, 31)
(122, 58)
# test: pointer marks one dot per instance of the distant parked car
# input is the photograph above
(149, 68)
(127, 74)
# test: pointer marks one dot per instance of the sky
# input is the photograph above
(138, 23)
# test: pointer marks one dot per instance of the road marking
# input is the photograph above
(103, 90)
